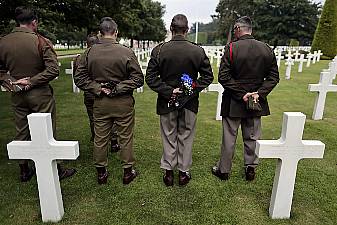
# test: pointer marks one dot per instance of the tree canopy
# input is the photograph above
(72, 20)
(275, 21)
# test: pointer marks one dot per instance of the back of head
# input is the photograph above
(245, 24)
(25, 15)
(179, 24)
(108, 26)
(91, 40)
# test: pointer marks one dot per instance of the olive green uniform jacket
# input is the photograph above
(167, 64)
(250, 67)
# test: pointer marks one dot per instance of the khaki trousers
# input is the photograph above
(36, 100)
(118, 110)
(251, 131)
(89, 100)
(177, 131)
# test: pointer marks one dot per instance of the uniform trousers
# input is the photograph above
(177, 132)
(251, 131)
(118, 110)
(89, 99)
(36, 100)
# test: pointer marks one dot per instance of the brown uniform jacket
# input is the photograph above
(21, 56)
(109, 61)
(166, 67)
(253, 68)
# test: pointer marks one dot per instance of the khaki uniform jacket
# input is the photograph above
(167, 64)
(19, 54)
(253, 68)
(109, 61)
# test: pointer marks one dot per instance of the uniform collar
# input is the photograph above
(22, 29)
(246, 36)
(108, 41)
(178, 37)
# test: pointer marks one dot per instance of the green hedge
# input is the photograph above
(325, 38)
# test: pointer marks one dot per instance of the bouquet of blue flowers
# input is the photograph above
(187, 86)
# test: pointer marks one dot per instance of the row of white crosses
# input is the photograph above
(290, 61)
(324, 86)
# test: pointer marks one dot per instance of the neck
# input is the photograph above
(246, 33)
(110, 37)
(28, 27)
(178, 34)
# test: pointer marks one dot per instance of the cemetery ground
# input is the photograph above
(206, 199)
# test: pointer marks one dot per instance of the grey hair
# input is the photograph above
(245, 23)
(108, 26)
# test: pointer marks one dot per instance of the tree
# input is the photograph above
(275, 21)
(326, 33)
(68, 20)
(153, 28)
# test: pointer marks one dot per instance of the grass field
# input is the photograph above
(206, 200)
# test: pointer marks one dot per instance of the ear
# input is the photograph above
(171, 28)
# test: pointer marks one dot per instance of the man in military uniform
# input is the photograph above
(169, 61)
(89, 99)
(248, 72)
(111, 72)
(31, 60)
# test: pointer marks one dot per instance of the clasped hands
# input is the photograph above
(255, 96)
(24, 82)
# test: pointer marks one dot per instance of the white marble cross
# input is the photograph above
(309, 57)
(332, 68)
(71, 72)
(314, 58)
(289, 149)
(289, 55)
(279, 57)
(300, 65)
(296, 54)
(319, 54)
(218, 58)
(44, 150)
(289, 63)
(218, 88)
(323, 87)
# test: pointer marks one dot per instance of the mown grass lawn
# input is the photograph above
(206, 200)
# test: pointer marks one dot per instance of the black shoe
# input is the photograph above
(115, 146)
(102, 175)
(250, 173)
(26, 173)
(129, 175)
(168, 178)
(222, 176)
(184, 178)
(64, 173)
